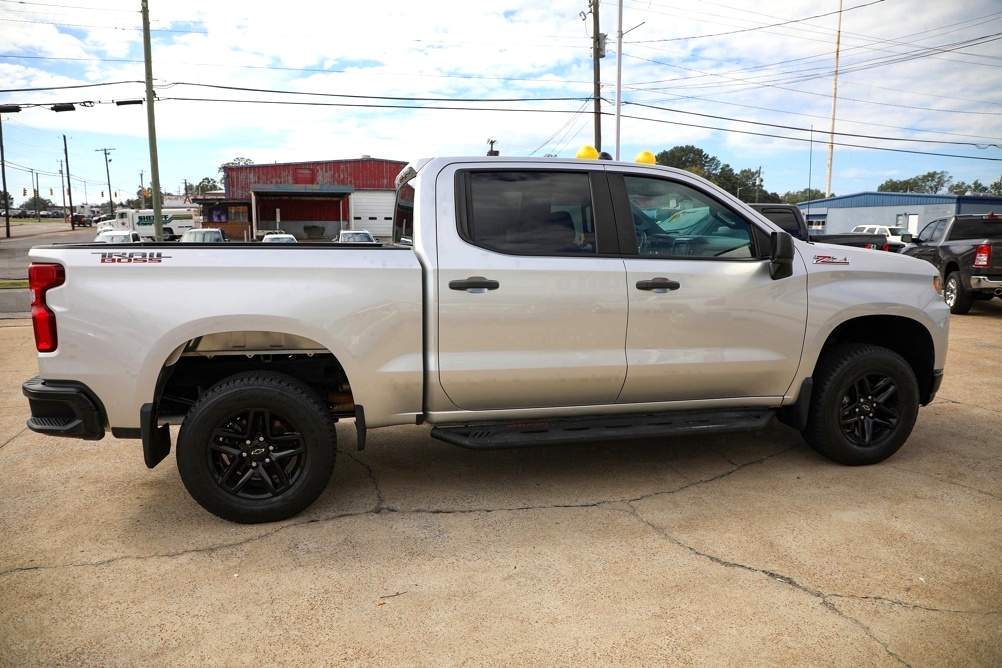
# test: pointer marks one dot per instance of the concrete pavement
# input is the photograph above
(734, 550)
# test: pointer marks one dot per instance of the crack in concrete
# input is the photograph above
(9, 440)
(783, 579)
(913, 606)
(380, 501)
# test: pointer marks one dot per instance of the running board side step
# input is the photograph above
(515, 434)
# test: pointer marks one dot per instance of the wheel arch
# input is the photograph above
(905, 336)
(949, 268)
(192, 358)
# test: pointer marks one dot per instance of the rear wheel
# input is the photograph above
(257, 447)
(957, 298)
(864, 404)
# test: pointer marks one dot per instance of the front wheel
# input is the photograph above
(864, 404)
(257, 447)
(957, 298)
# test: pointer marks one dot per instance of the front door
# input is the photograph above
(707, 322)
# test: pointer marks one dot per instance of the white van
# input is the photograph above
(175, 221)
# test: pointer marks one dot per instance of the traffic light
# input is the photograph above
(36, 192)
(24, 192)
(102, 193)
(50, 192)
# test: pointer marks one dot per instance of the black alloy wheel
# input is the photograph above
(864, 404)
(257, 447)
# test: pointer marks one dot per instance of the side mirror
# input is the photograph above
(781, 255)
(908, 239)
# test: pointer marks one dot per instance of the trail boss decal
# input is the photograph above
(830, 259)
(132, 257)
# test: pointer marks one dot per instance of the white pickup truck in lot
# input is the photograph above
(523, 301)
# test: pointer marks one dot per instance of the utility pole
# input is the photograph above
(34, 195)
(107, 172)
(69, 184)
(158, 223)
(831, 133)
(142, 191)
(7, 108)
(598, 51)
(62, 186)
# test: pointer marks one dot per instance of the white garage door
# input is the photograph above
(373, 210)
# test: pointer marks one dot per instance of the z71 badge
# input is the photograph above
(830, 259)
(132, 257)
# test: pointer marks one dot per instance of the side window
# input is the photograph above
(674, 220)
(528, 212)
(926, 233)
(937, 234)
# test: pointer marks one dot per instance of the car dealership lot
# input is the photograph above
(730, 550)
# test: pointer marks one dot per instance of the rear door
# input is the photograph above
(706, 320)
(532, 299)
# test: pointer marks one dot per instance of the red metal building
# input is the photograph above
(312, 200)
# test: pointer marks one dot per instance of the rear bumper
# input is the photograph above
(985, 283)
(64, 408)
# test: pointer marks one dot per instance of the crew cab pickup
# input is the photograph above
(791, 219)
(967, 251)
(521, 301)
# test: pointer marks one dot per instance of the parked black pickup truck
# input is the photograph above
(967, 250)
(790, 218)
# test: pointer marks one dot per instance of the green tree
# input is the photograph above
(7, 199)
(691, 159)
(235, 162)
(805, 195)
(962, 188)
(205, 185)
(930, 182)
(996, 187)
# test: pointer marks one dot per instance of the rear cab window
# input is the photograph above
(527, 212)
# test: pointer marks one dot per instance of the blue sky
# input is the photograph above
(309, 80)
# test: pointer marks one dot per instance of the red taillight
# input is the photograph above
(41, 277)
(983, 256)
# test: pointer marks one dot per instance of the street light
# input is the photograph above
(738, 193)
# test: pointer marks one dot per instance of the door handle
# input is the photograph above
(475, 284)
(658, 284)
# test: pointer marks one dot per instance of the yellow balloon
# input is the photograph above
(587, 152)
(647, 158)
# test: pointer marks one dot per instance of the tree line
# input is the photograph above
(747, 184)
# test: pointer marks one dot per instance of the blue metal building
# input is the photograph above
(909, 210)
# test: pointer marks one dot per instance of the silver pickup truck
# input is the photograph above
(522, 301)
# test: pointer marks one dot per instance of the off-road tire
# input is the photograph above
(864, 404)
(257, 447)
